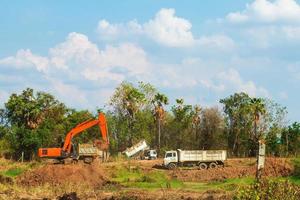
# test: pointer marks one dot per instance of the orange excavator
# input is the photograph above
(67, 150)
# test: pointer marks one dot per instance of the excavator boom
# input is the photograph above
(65, 151)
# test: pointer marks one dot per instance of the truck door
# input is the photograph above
(170, 157)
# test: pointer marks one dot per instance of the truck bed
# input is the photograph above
(199, 155)
(142, 145)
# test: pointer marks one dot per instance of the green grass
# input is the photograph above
(296, 163)
(13, 169)
(227, 185)
(13, 172)
(136, 178)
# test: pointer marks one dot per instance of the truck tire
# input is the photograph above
(88, 160)
(202, 166)
(171, 166)
(213, 165)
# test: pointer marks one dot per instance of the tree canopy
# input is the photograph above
(33, 119)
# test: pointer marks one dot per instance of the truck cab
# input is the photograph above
(170, 157)
(150, 154)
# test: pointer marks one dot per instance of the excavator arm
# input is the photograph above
(66, 149)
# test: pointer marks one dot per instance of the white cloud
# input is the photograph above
(170, 30)
(237, 17)
(77, 63)
(212, 86)
(267, 11)
(165, 28)
(220, 42)
(67, 92)
(231, 81)
(76, 49)
(24, 58)
(79, 57)
(108, 31)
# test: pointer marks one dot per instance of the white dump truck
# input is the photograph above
(149, 154)
(200, 158)
(89, 152)
(136, 149)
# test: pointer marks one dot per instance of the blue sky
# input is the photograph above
(199, 50)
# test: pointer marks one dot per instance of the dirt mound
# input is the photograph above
(92, 175)
(273, 167)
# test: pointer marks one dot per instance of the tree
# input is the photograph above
(196, 123)
(181, 125)
(127, 101)
(28, 116)
(158, 102)
(258, 109)
(238, 120)
(291, 138)
(211, 129)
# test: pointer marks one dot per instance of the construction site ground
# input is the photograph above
(132, 179)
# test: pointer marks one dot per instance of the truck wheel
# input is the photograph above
(202, 166)
(171, 166)
(213, 165)
(88, 160)
(74, 161)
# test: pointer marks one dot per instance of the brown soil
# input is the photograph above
(235, 168)
(5, 180)
(92, 175)
(163, 195)
(98, 175)
(70, 196)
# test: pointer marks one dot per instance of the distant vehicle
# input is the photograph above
(200, 158)
(136, 149)
(150, 155)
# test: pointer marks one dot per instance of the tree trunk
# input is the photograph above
(159, 134)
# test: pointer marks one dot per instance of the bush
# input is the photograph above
(267, 190)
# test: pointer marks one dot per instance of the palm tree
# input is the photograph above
(159, 101)
(196, 121)
(258, 109)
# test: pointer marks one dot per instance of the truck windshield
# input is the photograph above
(168, 155)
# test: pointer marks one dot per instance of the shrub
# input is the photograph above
(269, 190)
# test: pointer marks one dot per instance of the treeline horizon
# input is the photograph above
(33, 119)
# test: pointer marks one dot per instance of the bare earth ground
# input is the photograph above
(97, 179)
(235, 168)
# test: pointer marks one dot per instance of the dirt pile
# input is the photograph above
(92, 175)
(234, 169)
